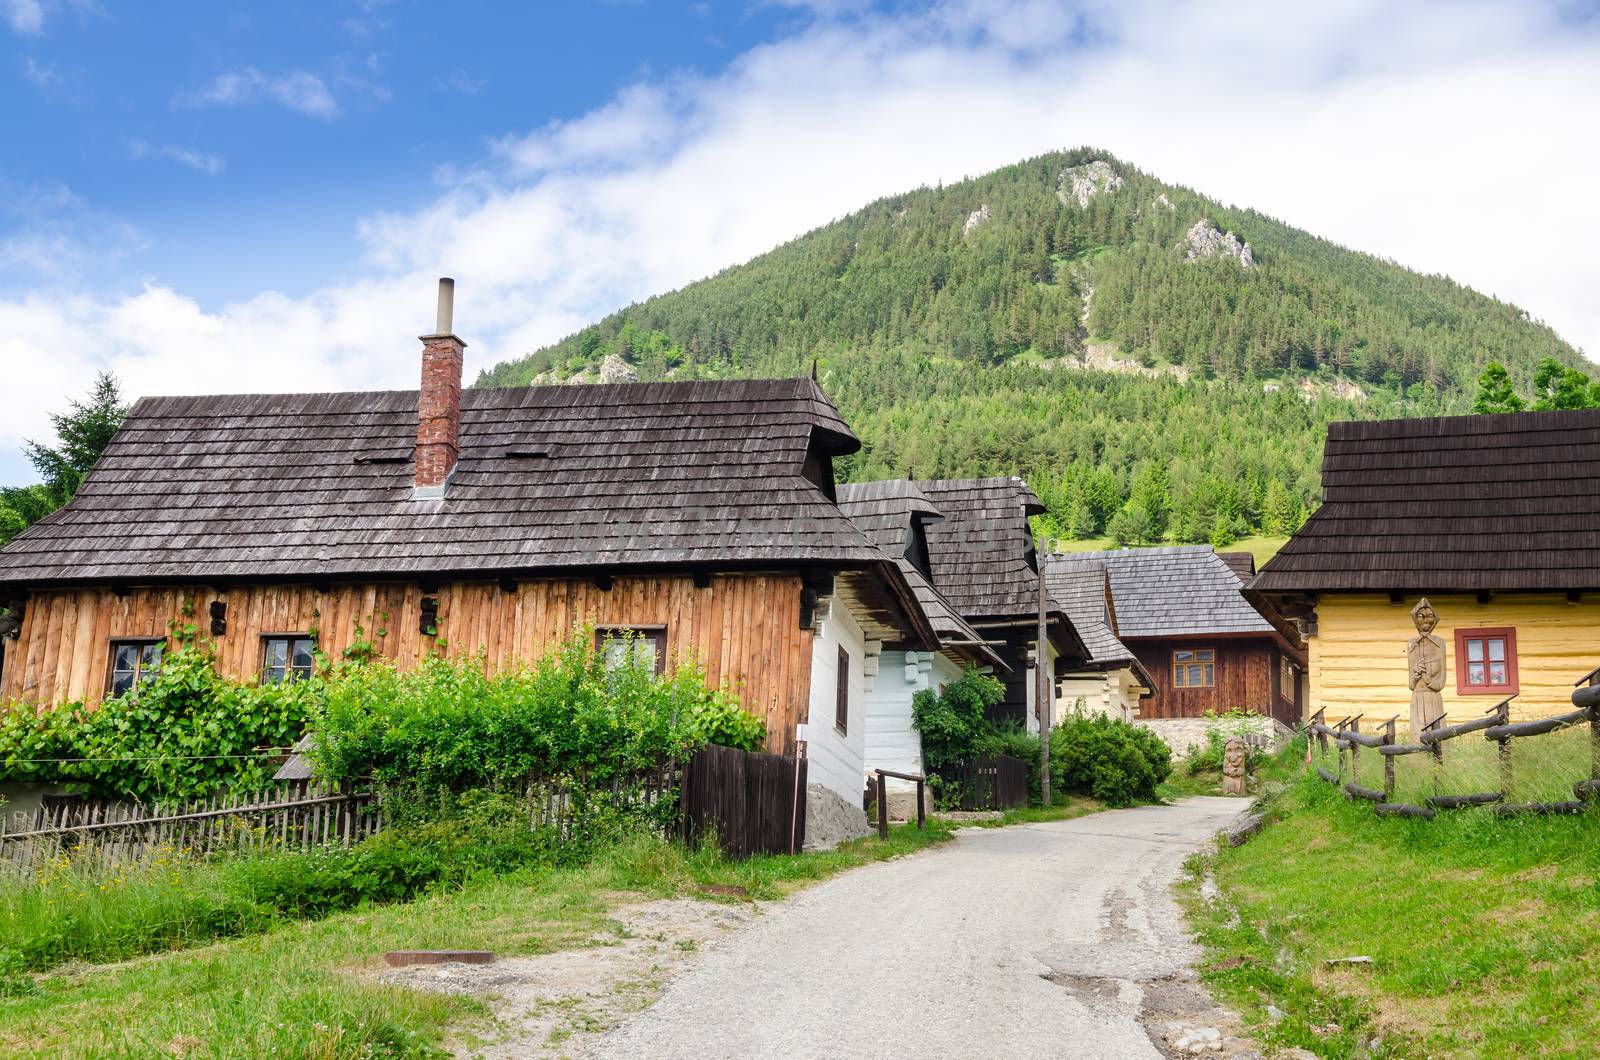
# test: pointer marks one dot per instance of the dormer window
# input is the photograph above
(818, 470)
(917, 546)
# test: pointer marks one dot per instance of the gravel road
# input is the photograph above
(1055, 939)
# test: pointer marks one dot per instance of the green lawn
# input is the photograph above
(1481, 931)
(1263, 548)
(294, 991)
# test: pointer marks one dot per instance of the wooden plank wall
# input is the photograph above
(1244, 677)
(742, 628)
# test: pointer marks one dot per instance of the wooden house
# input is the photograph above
(700, 515)
(1112, 680)
(982, 557)
(895, 515)
(1207, 649)
(1495, 520)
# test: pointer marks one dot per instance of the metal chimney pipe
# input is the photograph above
(445, 323)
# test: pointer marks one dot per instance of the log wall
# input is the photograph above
(1358, 657)
(743, 628)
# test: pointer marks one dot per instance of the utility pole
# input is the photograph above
(1042, 682)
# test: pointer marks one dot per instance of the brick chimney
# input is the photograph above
(439, 401)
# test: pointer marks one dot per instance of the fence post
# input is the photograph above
(1355, 751)
(921, 816)
(1338, 741)
(1322, 733)
(1594, 733)
(883, 808)
(1505, 753)
(1388, 760)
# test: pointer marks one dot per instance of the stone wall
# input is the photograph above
(1182, 733)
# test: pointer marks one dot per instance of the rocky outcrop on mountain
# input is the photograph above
(1206, 240)
(613, 369)
(975, 218)
(1164, 202)
(1079, 184)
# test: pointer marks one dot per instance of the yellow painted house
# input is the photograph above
(1495, 520)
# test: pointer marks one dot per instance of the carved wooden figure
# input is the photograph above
(1425, 663)
(1235, 767)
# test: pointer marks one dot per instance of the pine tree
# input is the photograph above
(81, 436)
(1495, 393)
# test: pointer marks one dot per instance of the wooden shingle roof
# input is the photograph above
(980, 551)
(1083, 589)
(1183, 590)
(885, 512)
(552, 478)
(1466, 503)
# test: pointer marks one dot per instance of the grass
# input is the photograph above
(1481, 930)
(1066, 808)
(1186, 780)
(1263, 548)
(295, 990)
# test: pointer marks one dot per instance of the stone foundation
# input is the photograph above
(1180, 734)
(831, 819)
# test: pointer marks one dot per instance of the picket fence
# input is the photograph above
(292, 815)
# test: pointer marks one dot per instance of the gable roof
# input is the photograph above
(550, 478)
(1468, 503)
(1183, 590)
(979, 552)
(884, 511)
(1243, 564)
(1084, 589)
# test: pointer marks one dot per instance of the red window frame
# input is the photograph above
(1463, 668)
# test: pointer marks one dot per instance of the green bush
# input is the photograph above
(1118, 763)
(952, 724)
(1207, 757)
(189, 731)
(449, 726)
(185, 732)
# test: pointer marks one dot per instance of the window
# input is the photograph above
(841, 706)
(287, 657)
(1194, 668)
(618, 645)
(1486, 662)
(1286, 678)
(133, 662)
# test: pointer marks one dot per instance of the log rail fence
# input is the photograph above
(1347, 738)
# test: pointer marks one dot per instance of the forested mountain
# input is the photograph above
(1156, 364)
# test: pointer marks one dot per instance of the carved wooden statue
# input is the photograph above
(1235, 765)
(1425, 662)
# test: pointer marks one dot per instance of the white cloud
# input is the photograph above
(56, 239)
(299, 90)
(44, 77)
(24, 16)
(1443, 136)
(199, 161)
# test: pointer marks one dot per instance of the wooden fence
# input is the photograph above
(294, 815)
(1495, 724)
(994, 782)
(752, 803)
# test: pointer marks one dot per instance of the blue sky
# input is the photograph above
(212, 197)
(270, 127)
